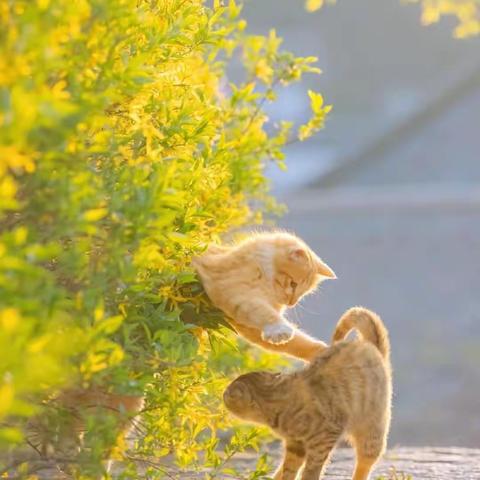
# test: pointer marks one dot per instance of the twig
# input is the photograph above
(259, 107)
(157, 466)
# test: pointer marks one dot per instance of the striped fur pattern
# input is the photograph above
(344, 393)
(254, 281)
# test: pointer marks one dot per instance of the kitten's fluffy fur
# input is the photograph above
(253, 282)
(346, 391)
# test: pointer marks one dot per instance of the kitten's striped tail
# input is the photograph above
(368, 324)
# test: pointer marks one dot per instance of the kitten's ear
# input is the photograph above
(324, 270)
(298, 254)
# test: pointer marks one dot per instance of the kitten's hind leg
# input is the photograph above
(292, 461)
(369, 447)
(363, 467)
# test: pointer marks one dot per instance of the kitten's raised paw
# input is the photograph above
(277, 333)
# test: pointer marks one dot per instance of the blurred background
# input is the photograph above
(389, 195)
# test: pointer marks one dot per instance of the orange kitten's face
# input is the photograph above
(281, 262)
(298, 271)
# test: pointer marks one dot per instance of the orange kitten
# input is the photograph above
(345, 392)
(254, 281)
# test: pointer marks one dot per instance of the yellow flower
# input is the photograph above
(95, 214)
(313, 5)
(11, 157)
(7, 395)
(9, 319)
(264, 71)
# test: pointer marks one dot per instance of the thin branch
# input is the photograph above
(260, 106)
(157, 466)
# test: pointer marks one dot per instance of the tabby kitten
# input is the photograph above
(345, 392)
(254, 281)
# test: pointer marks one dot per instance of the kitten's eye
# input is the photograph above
(293, 284)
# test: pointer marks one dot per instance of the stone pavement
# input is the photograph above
(398, 464)
(419, 463)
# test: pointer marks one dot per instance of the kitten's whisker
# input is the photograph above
(295, 314)
(310, 312)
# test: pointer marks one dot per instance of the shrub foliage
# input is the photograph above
(124, 150)
(466, 13)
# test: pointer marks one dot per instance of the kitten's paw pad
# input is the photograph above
(277, 333)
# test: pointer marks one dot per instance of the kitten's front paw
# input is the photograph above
(277, 333)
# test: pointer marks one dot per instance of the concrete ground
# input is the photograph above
(396, 464)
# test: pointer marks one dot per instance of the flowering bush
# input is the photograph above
(124, 150)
